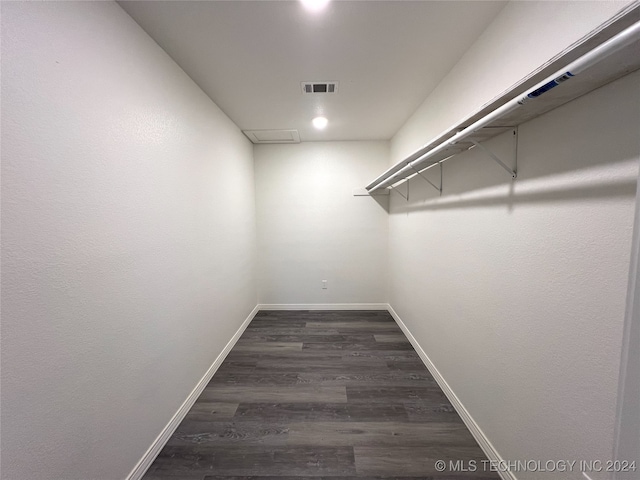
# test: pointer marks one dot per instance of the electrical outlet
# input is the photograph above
(324, 284)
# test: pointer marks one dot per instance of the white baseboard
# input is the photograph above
(323, 306)
(150, 455)
(487, 447)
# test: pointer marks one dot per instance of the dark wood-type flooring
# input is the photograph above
(323, 394)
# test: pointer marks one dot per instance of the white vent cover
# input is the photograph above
(273, 136)
(319, 87)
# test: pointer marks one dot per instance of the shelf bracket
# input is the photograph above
(512, 172)
(406, 197)
(439, 189)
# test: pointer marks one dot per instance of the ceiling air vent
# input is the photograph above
(319, 87)
(273, 136)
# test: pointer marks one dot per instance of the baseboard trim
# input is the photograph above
(323, 306)
(487, 447)
(150, 455)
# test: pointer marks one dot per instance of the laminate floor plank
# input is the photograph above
(285, 355)
(211, 411)
(328, 379)
(253, 394)
(404, 355)
(255, 460)
(237, 366)
(345, 338)
(267, 346)
(431, 412)
(418, 460)
(390, 337)
(391, 357)
(338, 378)
(367, 394)
(322, 395)
(379, 434)
(171, 475)
(370, 378)
(225, 433)
(260, 331)
(267, 379)
(357, 346)
(357, 325)
(320, 412)
(273, 324)
(321, 365)
(406, 365)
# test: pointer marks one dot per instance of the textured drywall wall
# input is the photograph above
(517, 290)
(311, 227)
(627, 434)
(128, 239)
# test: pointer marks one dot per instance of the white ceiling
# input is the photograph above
(250, 57)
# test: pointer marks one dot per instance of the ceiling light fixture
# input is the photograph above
(315, 5)
(320, 123)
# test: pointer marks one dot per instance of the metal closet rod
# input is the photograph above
(615, 43)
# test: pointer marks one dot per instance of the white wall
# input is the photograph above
(311, 227)
(627, 434)
(516, 291)
(128, 239)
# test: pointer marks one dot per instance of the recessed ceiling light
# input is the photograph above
(320, 123)
(315, 5)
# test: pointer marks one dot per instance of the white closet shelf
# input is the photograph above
(606, 54)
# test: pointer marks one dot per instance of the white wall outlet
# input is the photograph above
(324, 284)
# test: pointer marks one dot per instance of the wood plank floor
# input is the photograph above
(322, 394)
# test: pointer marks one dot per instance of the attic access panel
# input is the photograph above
(272, 136)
